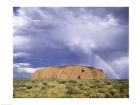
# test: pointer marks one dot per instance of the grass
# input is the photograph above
(70, 89)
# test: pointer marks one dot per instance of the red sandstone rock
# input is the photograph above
(69, 72)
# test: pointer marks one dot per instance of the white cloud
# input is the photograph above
(20, 40)
(121, 61)
(29, 70)
(24, 64)
(121, 66)
(19, 22)
(23, 67)
(20, 54)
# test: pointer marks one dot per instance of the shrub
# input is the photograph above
(112, 92)
(73, 90)
(108, 95)
(29, 87)
(57, 91)
(63, 81)
(72, 81)
(108, 82)
(45, 83)
(52, 84)
(44, 87)
(67, 96)
(100, 95)
(117, 95)
(90, 94)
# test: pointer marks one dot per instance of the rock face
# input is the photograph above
(69, 72)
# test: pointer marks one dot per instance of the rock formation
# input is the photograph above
(69, 72)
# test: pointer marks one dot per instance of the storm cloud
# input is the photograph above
(63, 36)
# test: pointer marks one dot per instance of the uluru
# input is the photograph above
(69, 72)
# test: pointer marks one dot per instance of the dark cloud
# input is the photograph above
(63, 56)
(94, 36)
(15, 10)
(122, 14)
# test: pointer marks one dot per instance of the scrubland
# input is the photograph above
(53, 88)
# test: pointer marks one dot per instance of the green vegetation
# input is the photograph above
(70, 89)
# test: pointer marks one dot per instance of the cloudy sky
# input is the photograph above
(71, 36)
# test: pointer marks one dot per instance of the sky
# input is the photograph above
(57, 36)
